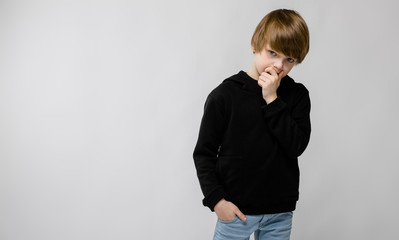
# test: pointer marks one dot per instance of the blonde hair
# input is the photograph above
(285, 31)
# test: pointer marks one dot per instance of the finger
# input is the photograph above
(266, 77)
(261, 83)
(271, 71)
(240, 215)
(266, 73)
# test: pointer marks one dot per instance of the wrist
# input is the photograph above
(219, 204)
(270, 98)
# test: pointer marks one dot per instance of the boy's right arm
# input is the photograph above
(206, 152)
(205, 158)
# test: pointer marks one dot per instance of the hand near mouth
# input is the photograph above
(269, 80)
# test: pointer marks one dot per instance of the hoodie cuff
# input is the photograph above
(274, 107)
(213, 198)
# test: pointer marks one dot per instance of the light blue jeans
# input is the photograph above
(265, 227)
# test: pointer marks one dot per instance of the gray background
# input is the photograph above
(100, 105)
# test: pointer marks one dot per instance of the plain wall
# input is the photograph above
(101, 101)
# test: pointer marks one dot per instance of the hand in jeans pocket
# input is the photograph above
(227, 211)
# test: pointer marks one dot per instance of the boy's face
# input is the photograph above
(271, 58)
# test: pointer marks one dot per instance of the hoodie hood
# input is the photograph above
(244, 81)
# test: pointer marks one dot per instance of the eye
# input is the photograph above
(291, 60)
(273, 53)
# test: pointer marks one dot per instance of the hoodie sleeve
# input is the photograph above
(206, 151)
(291, 127)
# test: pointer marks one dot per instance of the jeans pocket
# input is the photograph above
(230, 221)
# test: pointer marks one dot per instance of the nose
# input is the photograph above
(279, 63)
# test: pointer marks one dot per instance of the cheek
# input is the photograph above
(259, 67)
(262, 65)
(288, 68)
(262, 62)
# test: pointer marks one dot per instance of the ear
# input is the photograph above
(253, 48)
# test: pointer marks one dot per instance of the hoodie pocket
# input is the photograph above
(229, 165)
(232, 171)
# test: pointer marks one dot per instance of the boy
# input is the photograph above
(254, 127)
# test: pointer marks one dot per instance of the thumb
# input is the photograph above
(240, 215)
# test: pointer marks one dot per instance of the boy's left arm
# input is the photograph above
(291, 128)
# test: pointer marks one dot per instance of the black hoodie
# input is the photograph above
(247, 151)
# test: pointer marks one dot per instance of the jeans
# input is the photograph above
(264, 227)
